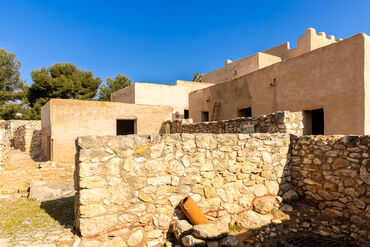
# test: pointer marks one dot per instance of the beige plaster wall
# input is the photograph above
(331, 77)
(176, 96)
(45, 130)
(367, 85)
(305, 43)
(125, 95)
(241, 67)
(72, 118)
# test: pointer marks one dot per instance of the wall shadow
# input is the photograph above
(35, 147)
(297, 222)
(62, 210)
(301, 228)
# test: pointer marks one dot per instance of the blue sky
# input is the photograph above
(162, 41)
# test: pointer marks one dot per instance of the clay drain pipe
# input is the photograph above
(192, 211)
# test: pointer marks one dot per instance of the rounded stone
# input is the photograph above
(135, 238)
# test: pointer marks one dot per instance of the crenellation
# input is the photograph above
(305, 43)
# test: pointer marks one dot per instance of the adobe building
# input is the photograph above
(325, 78)
(138, 109)
(328, 79)
(176, 96)
(63, 120)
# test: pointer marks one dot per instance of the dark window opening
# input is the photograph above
(186, 114)
(205, 116)
(125, 127)
(245, 112)
(313, 122)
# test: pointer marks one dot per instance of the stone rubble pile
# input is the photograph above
(212, 234)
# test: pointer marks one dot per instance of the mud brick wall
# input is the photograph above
(280, 122)
(128, 187)
(333, 172)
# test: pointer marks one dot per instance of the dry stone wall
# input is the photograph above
(4, 145)
(128, 187)
(25, 135)
(279, 122)
(333, 172)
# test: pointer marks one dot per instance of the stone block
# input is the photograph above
(211, 230)
(50, 190)
(91, 226)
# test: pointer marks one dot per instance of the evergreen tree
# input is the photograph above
(197, 77)
(62, 80)
(12, 88)
(119, 82)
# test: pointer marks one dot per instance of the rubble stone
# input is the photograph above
(211, 230)
(265, 205)
(190, 241)
(181, 227)
(228, 241)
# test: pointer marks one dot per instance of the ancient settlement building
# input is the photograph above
(327, 79)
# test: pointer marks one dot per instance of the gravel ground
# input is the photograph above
(24, 222)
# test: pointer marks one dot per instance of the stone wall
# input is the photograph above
(128, 187)
(25, 135)
(280, 122)
(4, 144)
(333, 173)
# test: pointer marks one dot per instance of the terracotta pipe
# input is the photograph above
(192, 211)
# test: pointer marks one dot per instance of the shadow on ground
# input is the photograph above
(61, 210)
(302, 228)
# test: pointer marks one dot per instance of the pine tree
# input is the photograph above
(119, 82)
(62, 80)
(12, 88)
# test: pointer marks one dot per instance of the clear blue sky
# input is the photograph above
(161, 41)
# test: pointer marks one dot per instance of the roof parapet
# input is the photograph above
(305, 43)
(311, 41)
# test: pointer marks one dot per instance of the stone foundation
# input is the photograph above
(128, 187)
(279, 122)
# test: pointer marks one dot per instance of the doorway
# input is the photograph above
(125, 127)
(313, 122)
(186, 114)
(245, 112)
(205, 116)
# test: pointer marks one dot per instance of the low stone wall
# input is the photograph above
(26, 135)
(333, 172)
(128, 187)
(4, 145)
(280, 122)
